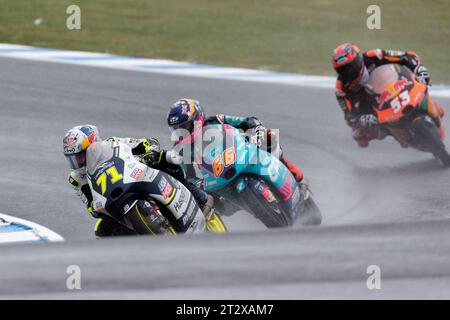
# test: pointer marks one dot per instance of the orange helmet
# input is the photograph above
(348, 63)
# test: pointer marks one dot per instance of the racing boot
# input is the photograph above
(214, 223)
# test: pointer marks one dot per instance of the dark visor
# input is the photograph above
(188, 125)
(77, 161)
(351, 71)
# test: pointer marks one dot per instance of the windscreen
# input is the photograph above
(382, 76)
(98, 153)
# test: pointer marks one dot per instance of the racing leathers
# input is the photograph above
(356, 99)
(253, 123)
(149, 152)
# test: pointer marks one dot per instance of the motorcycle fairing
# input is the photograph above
(248, 159)
(397, 92)
(141, 181)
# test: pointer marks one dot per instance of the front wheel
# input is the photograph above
(430, 133)
(269, 213)
(311, 216)
(442, 156)
(146, 218)
(214, 224)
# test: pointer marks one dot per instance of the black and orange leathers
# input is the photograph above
(356, 100)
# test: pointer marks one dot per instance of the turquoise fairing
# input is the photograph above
(249, 160)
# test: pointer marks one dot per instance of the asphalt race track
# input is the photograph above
(383, 205)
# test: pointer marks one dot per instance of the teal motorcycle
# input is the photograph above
(235, 170)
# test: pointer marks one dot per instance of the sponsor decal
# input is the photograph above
(174, 120)
(268, 195)
(181, 200)
(185, 219)
(102, 168)
(98, 206)
(259, 186)
(286, 189)
(392, 90)
(136, 174)
(175, 182)
(69, 142)
(193, 225)
(295, 197)
(150, 175)
(394, 53)
(162, 184)
(187, 216)
(167, 191)
(191, 208)
(401, 84)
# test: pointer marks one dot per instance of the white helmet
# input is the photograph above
(75, 143)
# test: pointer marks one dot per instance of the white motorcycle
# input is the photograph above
(143, 199)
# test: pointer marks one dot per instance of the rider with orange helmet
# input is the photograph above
(355, 99)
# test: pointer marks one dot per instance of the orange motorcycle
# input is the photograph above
(404, 107)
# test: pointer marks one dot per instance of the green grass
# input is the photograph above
(285, 35)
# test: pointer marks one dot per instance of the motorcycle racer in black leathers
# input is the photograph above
(148, 150)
